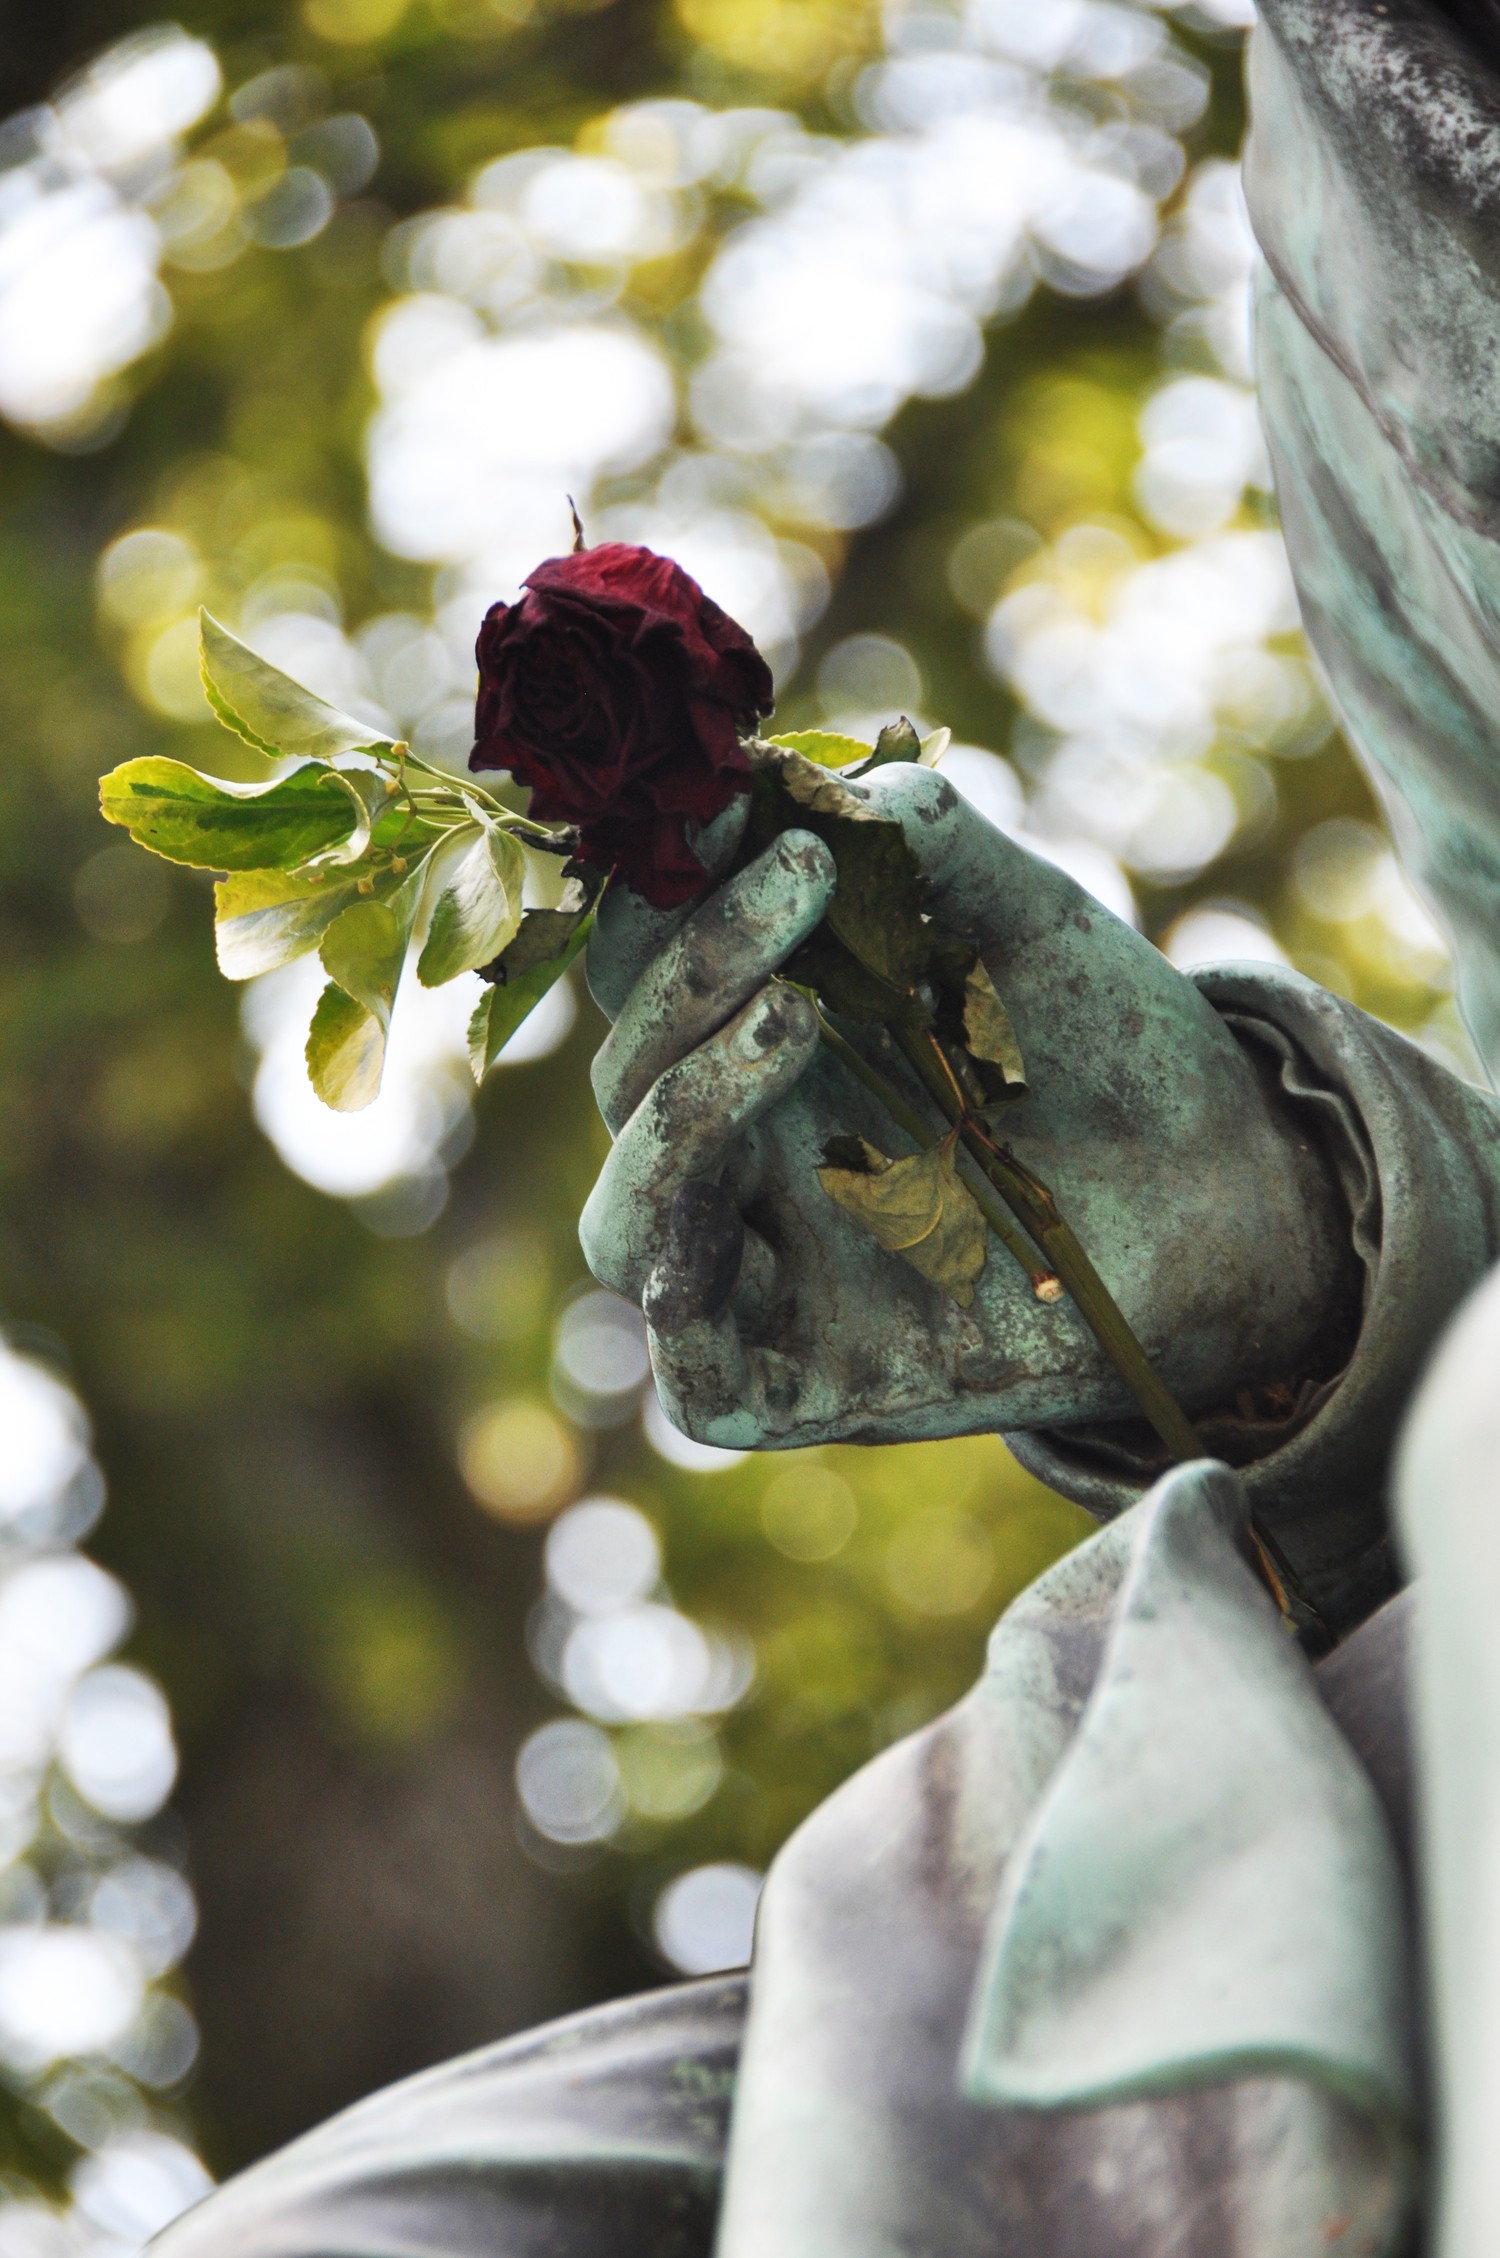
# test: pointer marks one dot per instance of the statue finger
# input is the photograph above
(717, 1390)
(683, 1127)
(628, 932)
(728, 949)
(711, 1386)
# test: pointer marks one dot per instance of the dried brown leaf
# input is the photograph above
(988, 1032)
(917, 1208)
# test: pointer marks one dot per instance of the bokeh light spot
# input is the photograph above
(809, 1512)
(600, 1359)
(1220, 933)
(602, 1554)
(668, 1771)
(116, 1743)
(63, 1991)
(519, 1460)
(149, 576)
(121, 895)
(705, 1919)
(498, 1289)
(569, 1782)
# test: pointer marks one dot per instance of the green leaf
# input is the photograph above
(522, 978)
(898, 741)
(265, 918)
(543, 936)
(345, 1051)
(478, 912)
(824, 746)
(363, 951)
(185, 817)
(988, 1033)
(918, 1208)
(366, 787)
(267, 708)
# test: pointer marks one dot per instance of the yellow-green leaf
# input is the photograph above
(264, 918)
(362, 950)
(364, 953)
(267, 917)
(366, 787)
(478, 912)
(988, 1033)
(345, 1052)
(918, 1208)
(267, 708)
(213, 825)
(824, 746)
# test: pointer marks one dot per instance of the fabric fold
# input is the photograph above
(855, 2132)
(1372, 174)
(1449, 1487)
(1206, 1889)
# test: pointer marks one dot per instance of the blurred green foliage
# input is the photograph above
(282, 1392)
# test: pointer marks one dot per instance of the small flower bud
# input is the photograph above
(364, 885)
(398, 864)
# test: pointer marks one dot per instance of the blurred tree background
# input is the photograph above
(922, 339)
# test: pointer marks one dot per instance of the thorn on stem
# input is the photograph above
(579, 544)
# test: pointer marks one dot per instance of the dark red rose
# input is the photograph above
(616, 689)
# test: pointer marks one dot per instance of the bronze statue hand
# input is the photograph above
(776, 1320)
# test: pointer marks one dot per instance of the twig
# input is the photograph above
(1044, 1284)
(1034, 1207)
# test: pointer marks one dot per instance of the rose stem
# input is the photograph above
(1030, 1201)
(1043, 1283)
